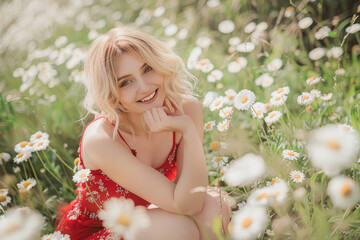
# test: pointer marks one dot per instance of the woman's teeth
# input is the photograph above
(149, 97)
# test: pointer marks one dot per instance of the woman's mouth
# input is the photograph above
(149, 98)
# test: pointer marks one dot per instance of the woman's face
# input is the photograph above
(140, 87)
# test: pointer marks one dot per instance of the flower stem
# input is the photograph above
(87, 186)
(60, 159)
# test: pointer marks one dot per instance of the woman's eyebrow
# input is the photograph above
(125, 76)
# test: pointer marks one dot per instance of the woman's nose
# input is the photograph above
(142, 85)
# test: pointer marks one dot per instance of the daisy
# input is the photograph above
(4, 191)
(274, 65)
(313, 80)
(270, 232)
(217, 103)
(273, 117)
(315, 93)
(316, 54)
(261, 27)
(343, 192)
(248, 223)
(4, 156)
(281, 91)
(122, 218)
(245, 47)
(237, 65)
(258, 110)
(245, 170)
(305, 22)
(226, 26)
(223, 126)
(26, 184)
(234, 41)
(56, 236)
(207, 67)
(60, 41)
(340, 71)
(215, 146)
(209, 126)
(219, 161)
(4, 200)
(81, 176)
(353, 28)
(260, 197)
(18, 72)
(332, 149)
(203, 62)
(170, 30)
(225, 112)
(240, 205)
(21, 147)
(209, 97)
(244, 99)
(265, 80)
(250, 27)
(215, 75)
(22, 156)
(41, 145)
(230, 96)
(183, 33)
(16, 224)
(297, 176)
(322, 33)
(278, 100)
(279, 193)
(290, 154)
(335, 52)
(305, 98)
(159, 11)
(326, 97)
(203, 42)
(347, 128)
(289, 12)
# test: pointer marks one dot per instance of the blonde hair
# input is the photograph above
(101, 76)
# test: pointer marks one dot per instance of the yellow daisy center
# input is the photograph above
(23, 144)
(11, 228)
(20, 155)
(297, 176)
(308, 108)
(26, 183)
(48, 239)
(334, 145)
(2, 191)
(2, 198)
(82, 175)
(280, 90)
(263, 195)
(39, 135)
(274, 181)
(277, 98)
(230, 97)
(259, 112)
(31, 144)
(247, 222)
(208, 125)
(227, 112)
(124, 220)
(223, 126)
(291, 153)
(1, 154)
(311, 79)
(40, 143)
(346, 189)
(217, 103)
(272, 115)
(345, 128)
(244, 99)
(305, 96)
(215, 146)
(267, 105)
(277, 193)
(218, 159)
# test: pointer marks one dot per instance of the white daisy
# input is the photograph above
(182, 34)
(234, 41)
(21, 147)
(353, 28)
(40, 145)
(258, 110)
(26, 184)
(340, 72)
(265, 80)
(81, 175)
(201, 63)
(270, 232)
(217, 103)
(209, 97)
(278, 100)
(315, 93)
(250, 27)
(209, 126)
(347, 128)
(261, 27)
(245, 47)
(305, 22)
(219, 161)
(240, 205)
(213, 3)
(22, 156)
(225, 112)
(56, 236)
(60, 41)
(260, 197)
(223, 126)
(316, 54)
(274, 65)
(122, 218)
(279, 193)
(170, 30)
(203, 42)
(245, 170)
(290, 154)
(273, 117)
(4, 191)
(322, 33)
(297, 176)
(236, 66)
(230, 96)
(226, 26)
(335, 52)
(18, 72)
(281, 91)
(332, 149)
(305, 98)
(343, 192)
(326, 97)
(159, 11)
(248, 223)
(215, 75)
(207, 67)
(4, 156)
(244, 99)
(313, 80)
(4, 200)
(15, 224)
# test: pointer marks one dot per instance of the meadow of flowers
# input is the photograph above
(280, 86)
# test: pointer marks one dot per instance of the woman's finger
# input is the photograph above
(149, 120)
(156, 117)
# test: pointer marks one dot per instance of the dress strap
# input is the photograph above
(133, 151)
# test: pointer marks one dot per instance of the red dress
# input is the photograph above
(79, 218)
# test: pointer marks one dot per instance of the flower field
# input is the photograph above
(279, 82)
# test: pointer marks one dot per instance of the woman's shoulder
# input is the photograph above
(190, 103)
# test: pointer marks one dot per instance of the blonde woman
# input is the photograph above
(145, 142)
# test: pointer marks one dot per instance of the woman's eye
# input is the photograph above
(148, 69)
(124, 83)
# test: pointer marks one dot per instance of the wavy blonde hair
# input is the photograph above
(101, 76)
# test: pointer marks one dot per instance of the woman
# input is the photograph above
(145, 114)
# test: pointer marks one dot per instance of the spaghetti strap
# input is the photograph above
(132, 150)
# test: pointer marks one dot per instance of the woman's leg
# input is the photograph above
(166, 226)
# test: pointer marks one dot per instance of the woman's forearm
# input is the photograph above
(193, 174)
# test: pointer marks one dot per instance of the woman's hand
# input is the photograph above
(162, 120)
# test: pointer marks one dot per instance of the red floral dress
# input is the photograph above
(79, 218)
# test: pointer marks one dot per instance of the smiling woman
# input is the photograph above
(145, 144)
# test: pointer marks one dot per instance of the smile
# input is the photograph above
(149, 98)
